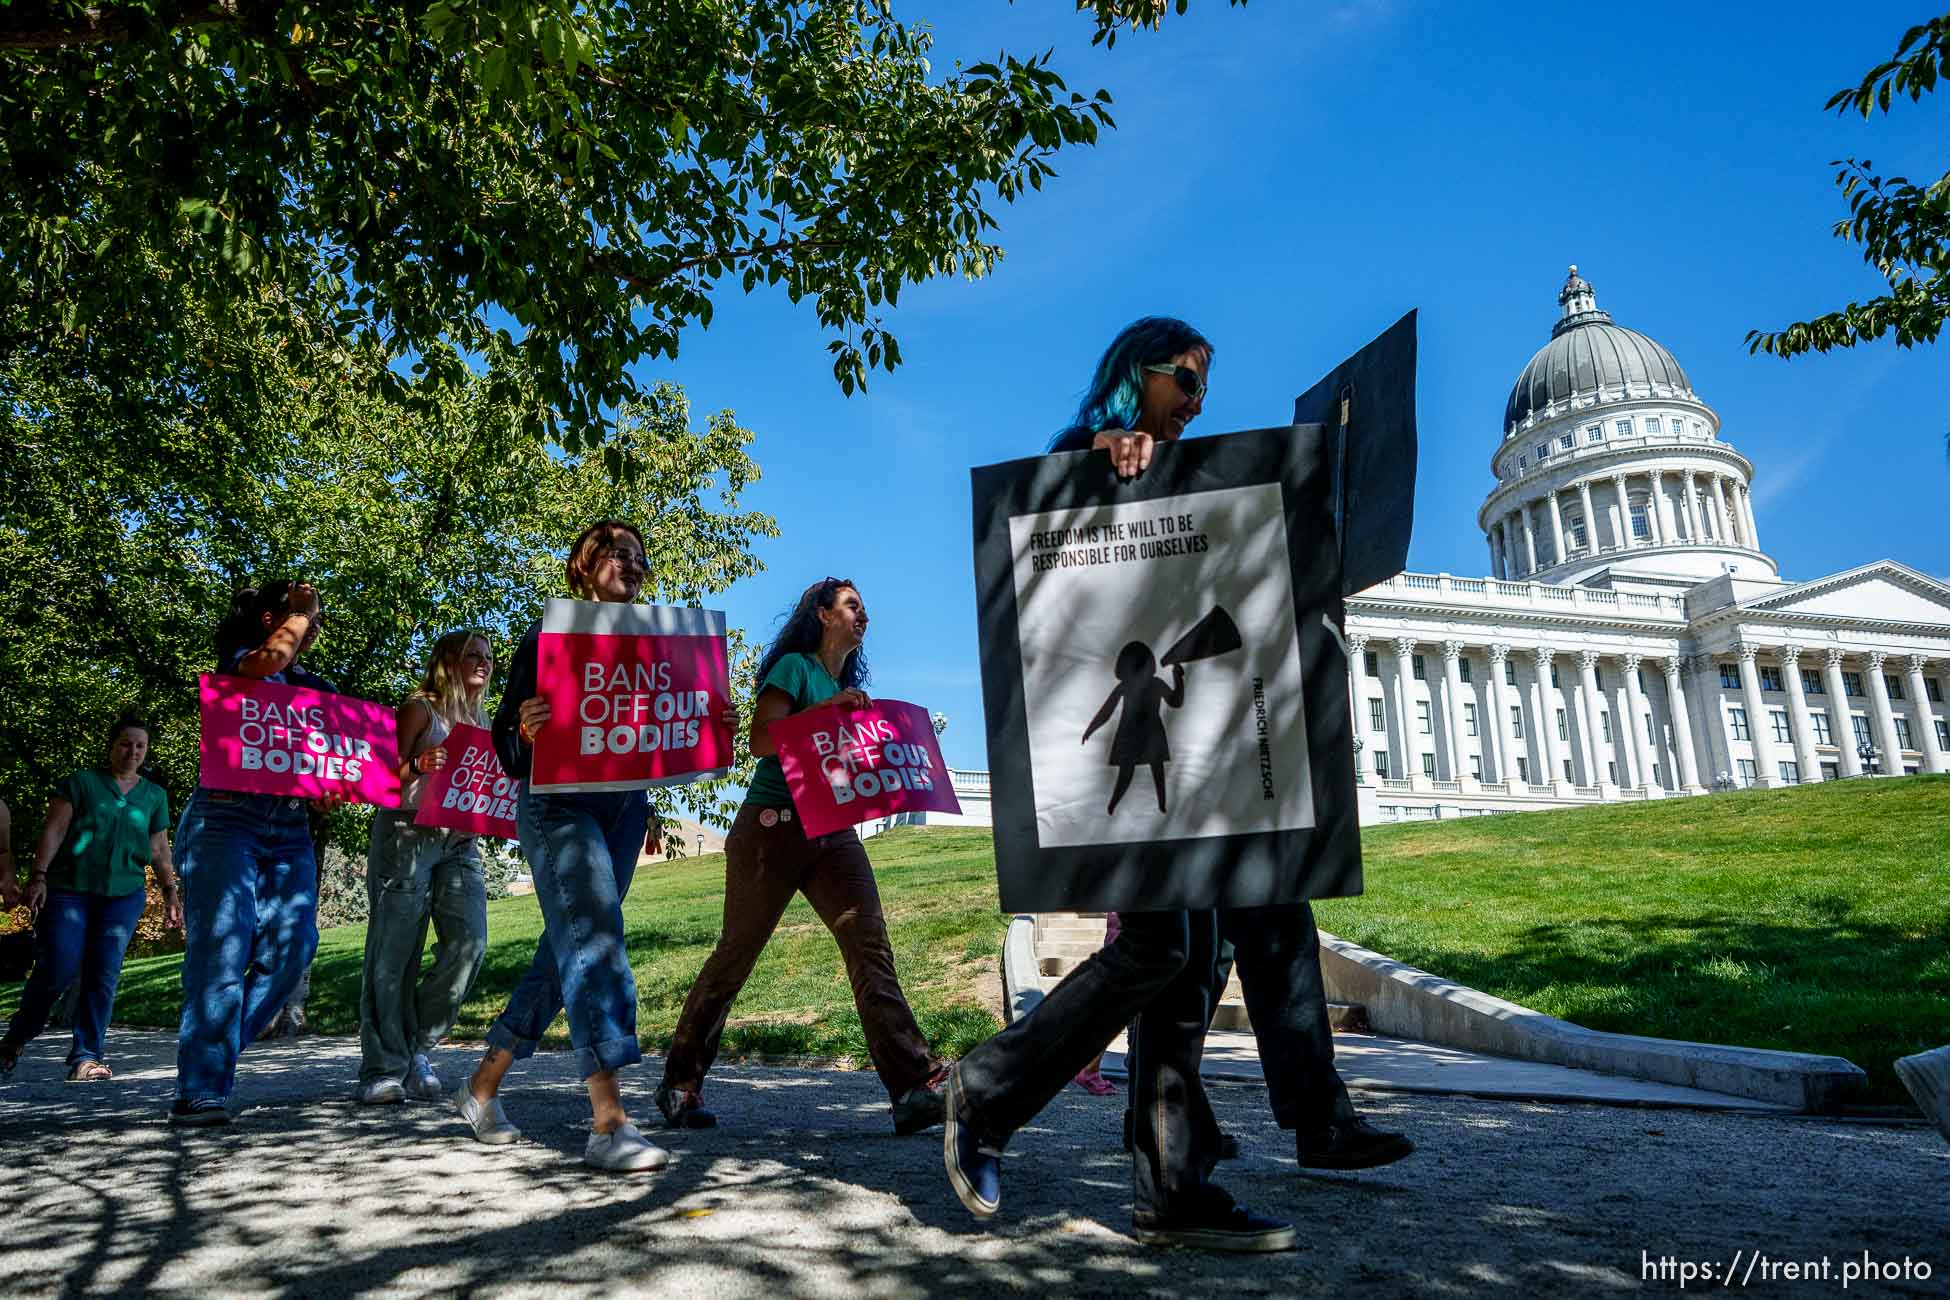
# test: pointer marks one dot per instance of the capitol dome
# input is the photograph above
(1589, 359)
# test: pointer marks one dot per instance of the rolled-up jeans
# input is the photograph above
(77, 936)
(1161, 964)
(250, 927)
(416, 875)
(582, 851)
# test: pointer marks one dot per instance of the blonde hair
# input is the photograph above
(442, 688)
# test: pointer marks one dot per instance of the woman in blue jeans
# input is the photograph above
(582, 850)
(250, 877)
(104, 827)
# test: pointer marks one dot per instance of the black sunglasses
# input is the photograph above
(1190, 382)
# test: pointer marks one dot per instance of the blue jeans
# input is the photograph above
(582, 850)
(78, 936)
(250, 927)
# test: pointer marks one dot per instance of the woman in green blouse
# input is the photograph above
(87, 890)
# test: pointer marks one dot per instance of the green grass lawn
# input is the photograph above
(1814, 919)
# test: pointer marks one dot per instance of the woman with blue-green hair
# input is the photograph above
(1149, 384)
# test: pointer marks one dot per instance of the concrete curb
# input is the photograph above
(1022, 978)
(1407, 1003)
(1927, 1076)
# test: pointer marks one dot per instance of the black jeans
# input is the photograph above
(1162, 965)
(1278, 953)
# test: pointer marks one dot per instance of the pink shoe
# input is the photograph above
(1094, 1083)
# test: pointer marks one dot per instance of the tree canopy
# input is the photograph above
(137, 503)
(1903, 228)
(552, 189)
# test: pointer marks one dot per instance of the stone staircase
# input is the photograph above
(1065, 939)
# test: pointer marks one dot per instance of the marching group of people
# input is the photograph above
(243, 887)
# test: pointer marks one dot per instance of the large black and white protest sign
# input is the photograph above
(1165, 691)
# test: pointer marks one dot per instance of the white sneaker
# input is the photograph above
(489, 1122)
(421, 1083)
(379, 1092)
(623, 1150)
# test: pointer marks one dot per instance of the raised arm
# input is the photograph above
(281, 647)
(1175, 693)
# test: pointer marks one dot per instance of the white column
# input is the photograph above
(1884, 716)
(1590, 519)
(1682, 729)
(1547, 717)
(1655, 510)
(1557, 529)
(1357, 713)
(1490, 540)
(1839, 725)
(1635, 722)
(1509, 549)
(1760, 728)
(1922, 720)
(1411, 767)
(1626, 540)
(1529, 541)
(1596, 771)
(1798, 723)
(1721, 511)
(1452, 709)
(1691, 502)
(1747, 512)
(1499, 728)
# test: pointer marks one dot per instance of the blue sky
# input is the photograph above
(1291, 178)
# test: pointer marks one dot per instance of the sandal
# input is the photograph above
(1094, 1083)
(90, 1072)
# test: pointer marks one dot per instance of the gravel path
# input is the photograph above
(804, 1191)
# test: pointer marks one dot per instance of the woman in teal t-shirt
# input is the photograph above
(815, 659)
(104, 826)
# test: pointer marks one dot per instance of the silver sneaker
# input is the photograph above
(623, 1150)
(379, 1092)
(489, 1121)
(421, 1083)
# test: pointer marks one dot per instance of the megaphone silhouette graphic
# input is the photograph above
(1213, 635)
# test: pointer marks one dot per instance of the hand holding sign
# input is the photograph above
(847, 763)
(472, 793)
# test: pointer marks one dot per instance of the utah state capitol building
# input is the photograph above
(1632, 639)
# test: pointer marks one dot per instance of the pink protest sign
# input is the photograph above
(847, 766)
(636, 693)
(260, 737)
(471, 793)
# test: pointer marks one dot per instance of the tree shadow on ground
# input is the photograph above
(804, 1190)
